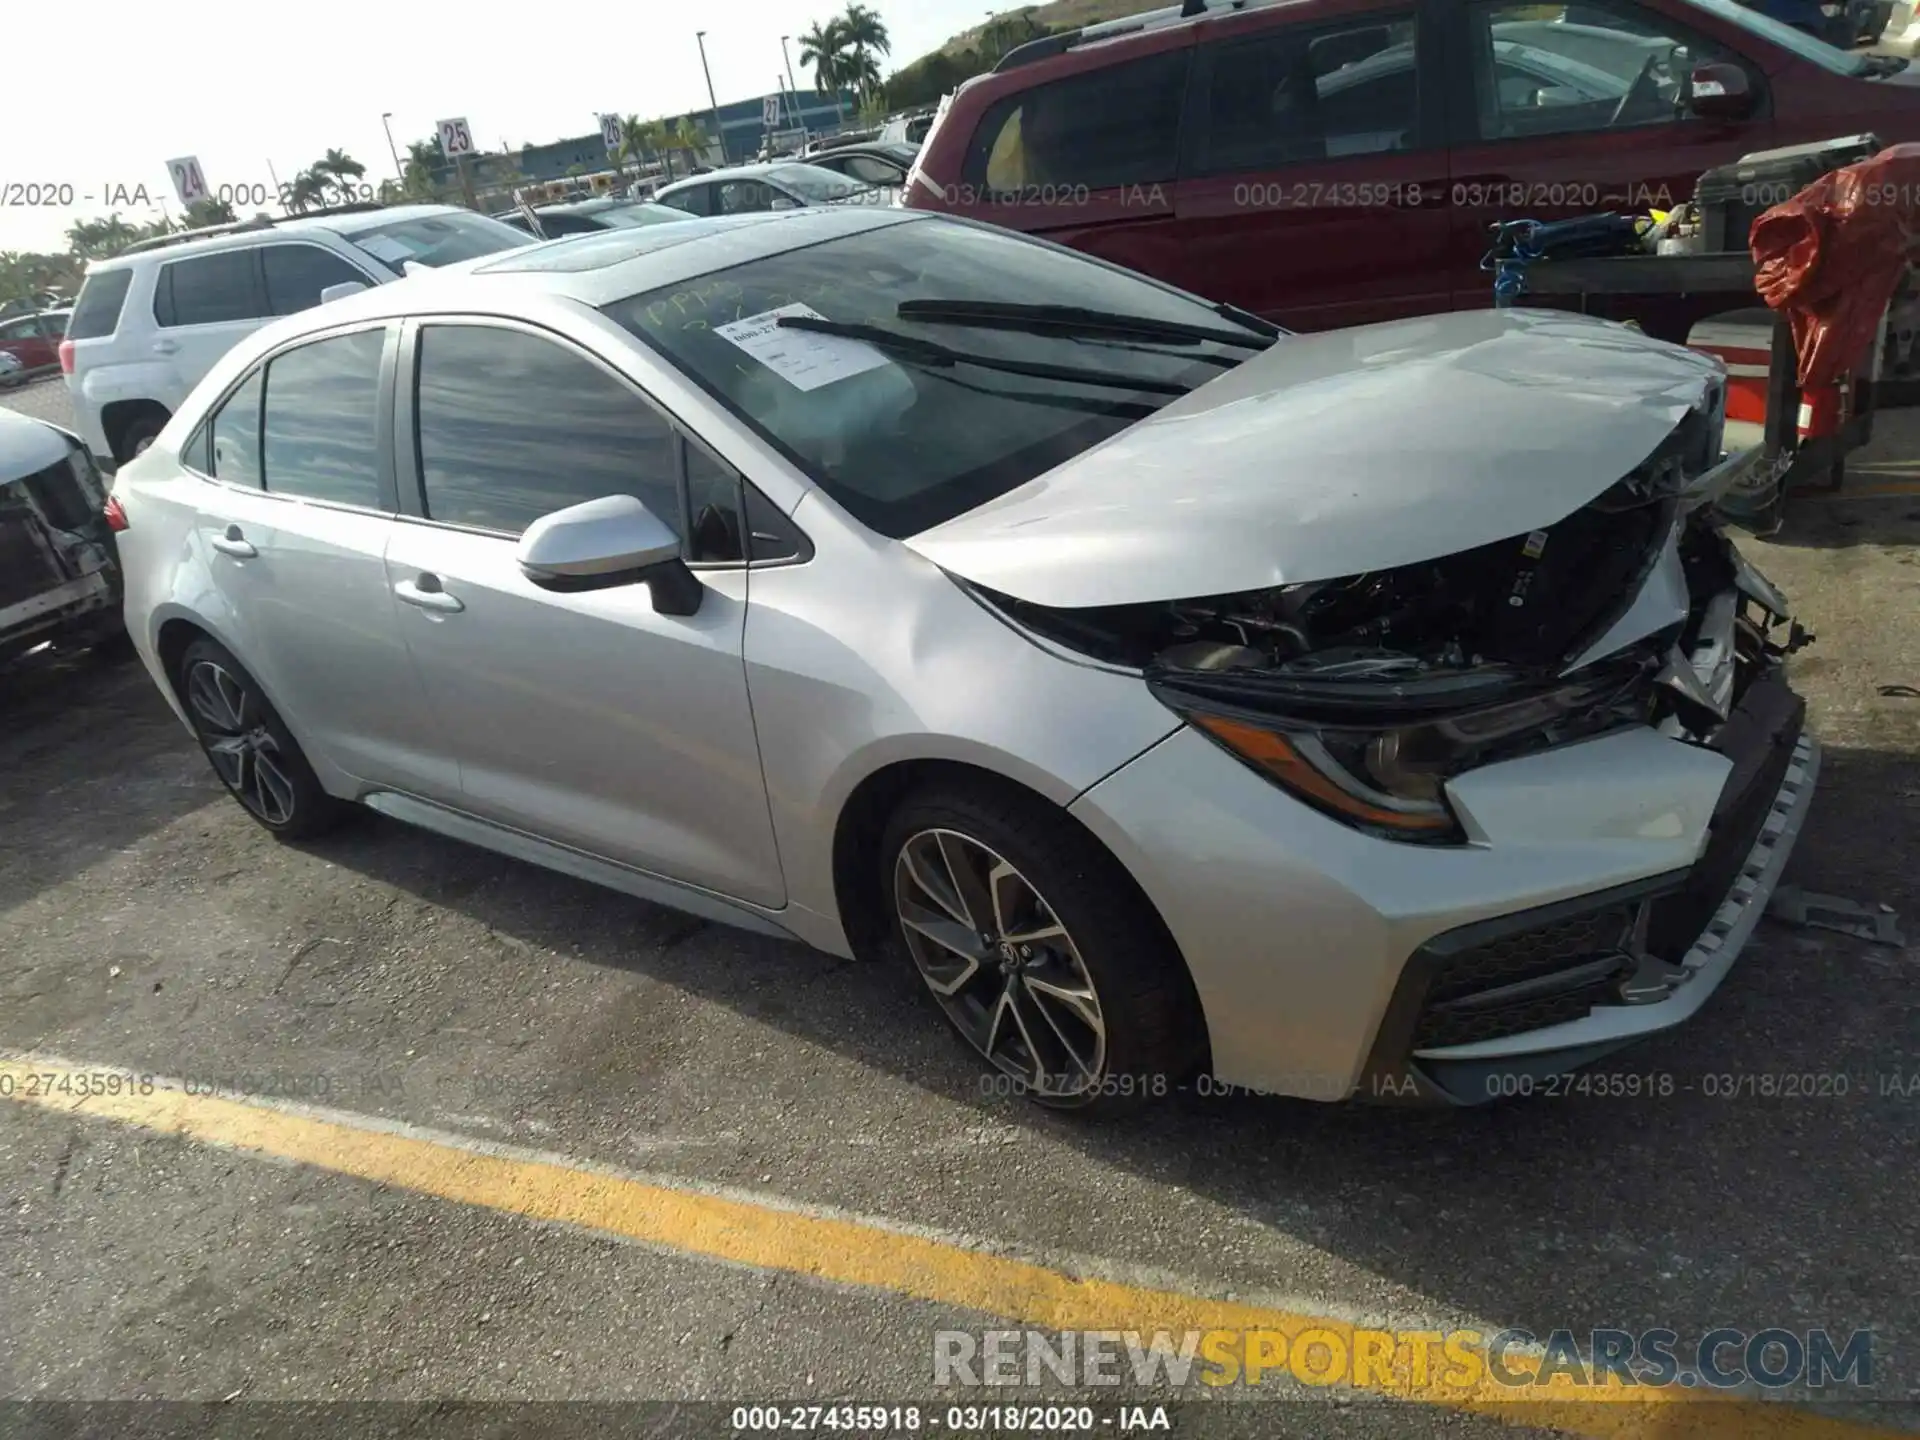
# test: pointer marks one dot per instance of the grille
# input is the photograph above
(1462, 1004)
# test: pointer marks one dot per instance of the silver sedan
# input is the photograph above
(1380, 712)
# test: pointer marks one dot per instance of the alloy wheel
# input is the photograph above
(243, 751)
(1001, 963)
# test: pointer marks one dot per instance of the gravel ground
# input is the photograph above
(146, 922)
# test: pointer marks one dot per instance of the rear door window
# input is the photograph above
(296, 274)
(209, 289)
(236, 436)
(1293, 96)
(695, 200)
(97, 312)
(319, 434)
(1109, 127)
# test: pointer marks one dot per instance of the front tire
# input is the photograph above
(249, 747)
(1039, 950)
(139, 435)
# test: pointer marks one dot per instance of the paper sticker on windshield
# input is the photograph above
(801, 358)
(385, 247)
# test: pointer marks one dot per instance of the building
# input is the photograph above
(743, 129)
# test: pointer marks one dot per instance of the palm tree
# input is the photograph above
(863, 29)
(308, 190)
(210, 212)
(860, 73)
(424, 159)
(691, 138)
(98, 239)
(338, 170)
(633, 144)
(823, 49)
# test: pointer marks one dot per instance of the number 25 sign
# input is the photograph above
(455, 138)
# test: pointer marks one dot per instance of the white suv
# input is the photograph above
(152, 320)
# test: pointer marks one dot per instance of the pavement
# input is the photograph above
(410, 1122)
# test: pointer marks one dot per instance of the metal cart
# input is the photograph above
(1789, 460)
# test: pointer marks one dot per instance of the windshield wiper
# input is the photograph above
(1072, 320)
(928, 353)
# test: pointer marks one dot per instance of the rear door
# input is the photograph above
(203, 305)
(295, 272)
(1089, 159)
(1564, 111)
(1313, 176)
(294, 525)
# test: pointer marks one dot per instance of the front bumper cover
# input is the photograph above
(1555, 988)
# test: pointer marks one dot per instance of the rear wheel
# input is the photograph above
(1039, 950)
(250, 748)
(141, 433)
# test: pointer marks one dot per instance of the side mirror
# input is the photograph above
(600, 544)
(341, 291)
(1719, 92)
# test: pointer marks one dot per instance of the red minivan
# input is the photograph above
(1336, 162)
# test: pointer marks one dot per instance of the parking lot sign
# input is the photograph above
(610, 132)
(456, 138)
(189, 180)
(770, 111)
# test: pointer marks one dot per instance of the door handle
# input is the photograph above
(426, 594)
(235, 544)
(164, 347)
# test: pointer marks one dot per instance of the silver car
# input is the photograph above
(1374, 713)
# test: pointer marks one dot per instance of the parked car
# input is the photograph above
(750, 189)
(1380, 711)
(907, 129)
(34, 340)
(586, 216)
(12, 372)
(1372, 145)
(59, 572)
(152, 320)
(877, 164)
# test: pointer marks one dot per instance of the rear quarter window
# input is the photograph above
(1117, 125)
(97, 312)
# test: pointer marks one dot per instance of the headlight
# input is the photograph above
(1388, 775)
(1346, 773)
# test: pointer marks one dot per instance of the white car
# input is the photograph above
(151, 321)
(1379, 711)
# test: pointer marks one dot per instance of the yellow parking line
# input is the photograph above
(838, 1249)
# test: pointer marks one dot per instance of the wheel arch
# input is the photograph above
(863, 817)
(175, 631)
(117, 417)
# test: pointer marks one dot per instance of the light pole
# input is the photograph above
(719, 132)
(392, 149)
(792, 89)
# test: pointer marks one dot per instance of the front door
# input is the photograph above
(1313, 188)
(295, 528)
(589, 719)
(1575, 115)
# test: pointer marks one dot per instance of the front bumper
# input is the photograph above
(1315, 949)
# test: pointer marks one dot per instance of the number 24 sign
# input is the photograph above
(189, 180)
(455, 138)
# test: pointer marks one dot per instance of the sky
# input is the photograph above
(252, 90)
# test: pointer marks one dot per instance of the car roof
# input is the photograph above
(601, 267)
(340, 223)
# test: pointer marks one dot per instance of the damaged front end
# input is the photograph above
(59, 569)
(1365, 696)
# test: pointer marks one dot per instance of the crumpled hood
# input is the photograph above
(1334, 454)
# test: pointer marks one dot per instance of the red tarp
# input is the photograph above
(1831, 257)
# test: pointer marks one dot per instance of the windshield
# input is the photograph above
(902, 444)
(815, 184)
(623, 217)
(1785, 36)
(436, 239)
